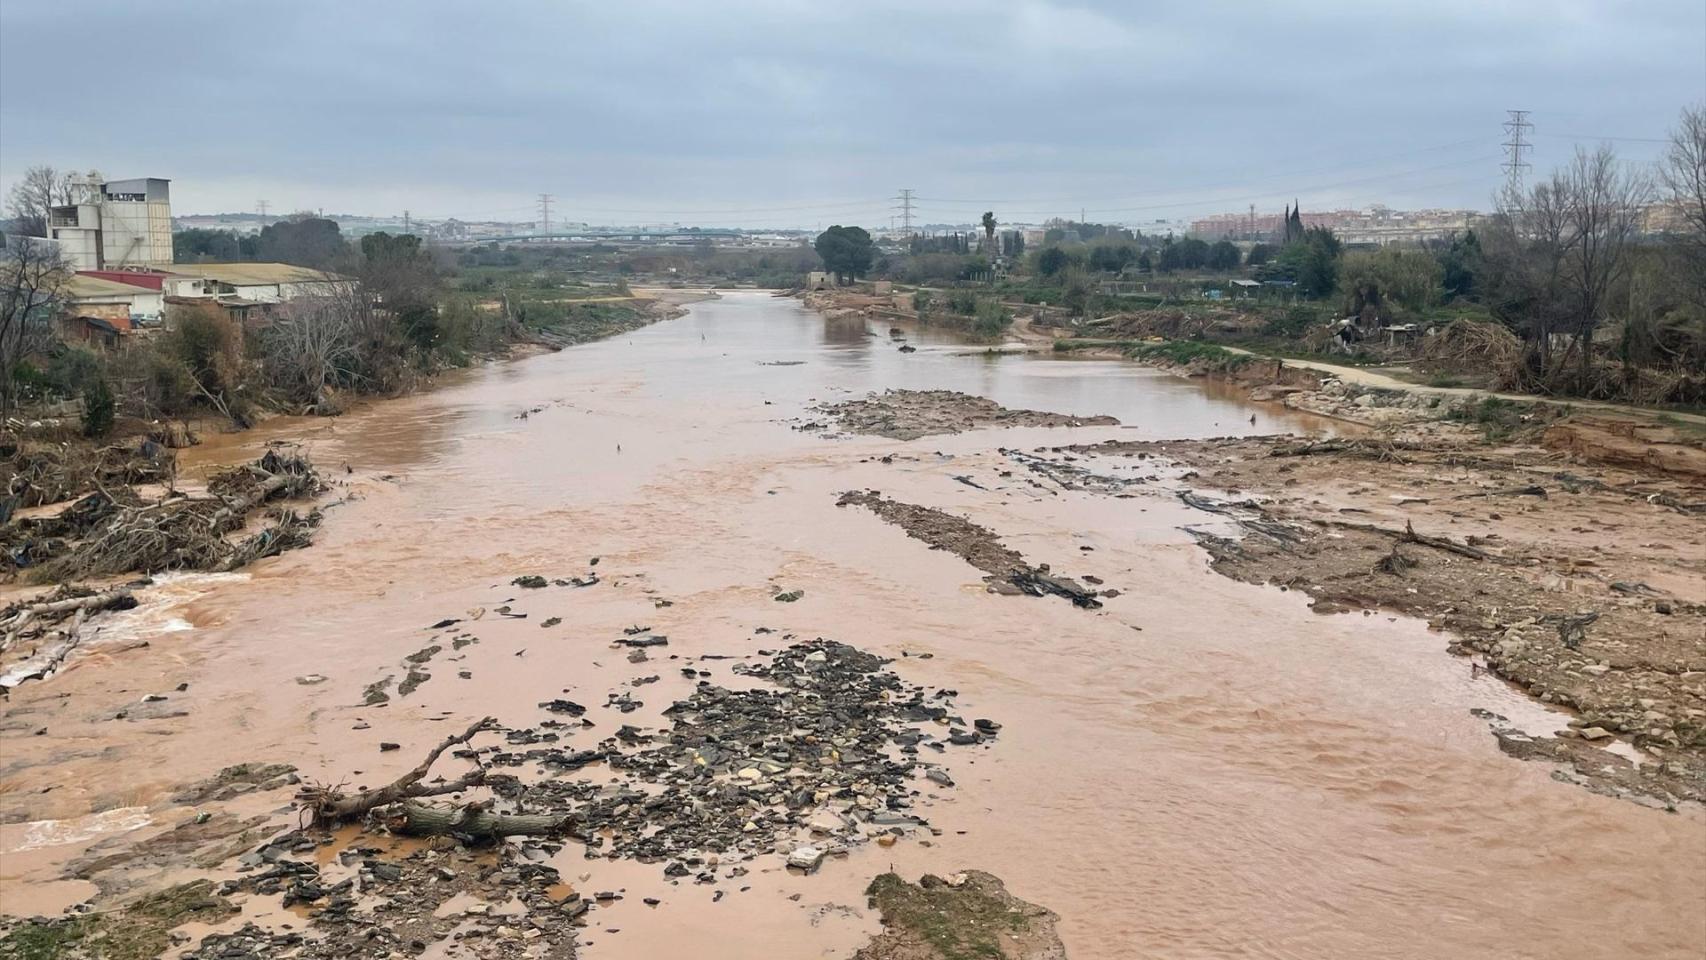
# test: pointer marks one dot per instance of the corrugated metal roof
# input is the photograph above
(89, 288)
(253, 274)
(152, 281)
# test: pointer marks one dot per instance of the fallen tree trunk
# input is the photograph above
(1532, 490)
(473, 821)
(120, 599)
(330, 806)
(1409, 535)
(43, 664)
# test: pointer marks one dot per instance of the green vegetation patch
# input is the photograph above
(137, 931)
(1501, 419)
(960, 923)
(1184, 352)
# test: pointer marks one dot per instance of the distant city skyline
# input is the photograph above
(768, 114)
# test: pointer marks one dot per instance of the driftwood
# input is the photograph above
(190, 533)
(19, 619)
(43, 664)
(1441, 543)
(1036, 583)
(330, 806)
(1409, 535)
(473, 821)
(1240, 511)
(1532, 490)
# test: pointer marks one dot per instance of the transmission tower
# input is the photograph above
(261, 207)
(1517, 149)
(545, 212)
(905, 209)
(406, 222)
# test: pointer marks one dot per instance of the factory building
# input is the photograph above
(115, 224)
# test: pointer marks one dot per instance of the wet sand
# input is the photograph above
(1201, 768)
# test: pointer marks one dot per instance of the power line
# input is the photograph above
(1516, 148)
(1274, 177)
(905, 208)
(1586, 136)
(1252, 198)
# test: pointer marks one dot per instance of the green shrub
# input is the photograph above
(72, 370)
(99, 408)
(1183, 352)
(993, 319)
(1293, 321)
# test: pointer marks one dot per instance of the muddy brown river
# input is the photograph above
(1200, 769)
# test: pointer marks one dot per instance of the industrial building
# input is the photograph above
(115, 224)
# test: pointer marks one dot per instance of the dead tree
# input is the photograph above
(394, 803)
(330, 806)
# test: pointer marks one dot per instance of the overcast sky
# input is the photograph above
(806, 113)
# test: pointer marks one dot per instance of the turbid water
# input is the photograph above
(1201, 768)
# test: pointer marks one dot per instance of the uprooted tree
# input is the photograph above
(396, 802)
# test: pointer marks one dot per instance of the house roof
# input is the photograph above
(253, 274)
(82, 287)
(150, 280)
(108, 325)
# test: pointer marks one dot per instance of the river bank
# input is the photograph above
(1226, 768)
(1575, 571)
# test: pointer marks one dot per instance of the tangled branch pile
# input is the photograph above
(1472, 346)
(48, 630)
(36, 474)
(1605, 379)
(181, 532)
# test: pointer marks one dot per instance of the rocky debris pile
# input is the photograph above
(1006, 569)
(829, 748)
(967, 914)
(910, 414)
(491, 903)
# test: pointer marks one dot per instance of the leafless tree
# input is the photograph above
(34, 196)
(1558, 254)
(1524, 250)
(1603, 204)
(33, 276)
(317, 342)
(1683, 173)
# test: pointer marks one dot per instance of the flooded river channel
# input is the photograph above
(1199, 769)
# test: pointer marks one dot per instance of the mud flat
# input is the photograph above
(910, 414)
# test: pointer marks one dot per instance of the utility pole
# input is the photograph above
(1517, 149)
(905, 209)
(545, 212)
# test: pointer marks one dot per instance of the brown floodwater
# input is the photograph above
(1201, 769)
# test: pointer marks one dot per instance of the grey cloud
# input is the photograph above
(1132, 111)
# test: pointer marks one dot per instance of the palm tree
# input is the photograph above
(989, 228)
